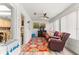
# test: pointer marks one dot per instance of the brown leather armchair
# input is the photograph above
(58, 44)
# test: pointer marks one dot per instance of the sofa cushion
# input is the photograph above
(58, 34)
(56, 37)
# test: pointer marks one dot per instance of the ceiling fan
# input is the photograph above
(44, 15)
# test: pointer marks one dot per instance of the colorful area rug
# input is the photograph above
(36, 46)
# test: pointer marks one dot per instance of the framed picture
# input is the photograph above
(36, 25)
(42, 25)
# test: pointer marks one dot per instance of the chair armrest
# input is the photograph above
(55, 42)
(54, 39)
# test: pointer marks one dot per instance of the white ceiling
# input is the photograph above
(5, 12)
(52, 9)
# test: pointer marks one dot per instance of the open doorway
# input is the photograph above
(22, 29)
(5, 24)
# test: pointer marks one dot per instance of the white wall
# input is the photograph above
(73, 45)
(27, 28)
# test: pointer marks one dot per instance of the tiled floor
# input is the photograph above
(64, 52)
(34, 50)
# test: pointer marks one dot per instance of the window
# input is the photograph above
(63, 24)
(5, 24)
(68, 24)
(78, 25)
(56, 25)
(51, 27)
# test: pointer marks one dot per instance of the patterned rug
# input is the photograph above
(36, 46)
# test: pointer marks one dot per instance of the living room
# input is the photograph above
(61, 23)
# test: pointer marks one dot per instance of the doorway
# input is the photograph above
(5, 23)
(22, 29)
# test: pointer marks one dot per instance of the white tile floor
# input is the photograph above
(64, 52)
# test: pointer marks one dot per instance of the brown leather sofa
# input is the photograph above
(58, 44)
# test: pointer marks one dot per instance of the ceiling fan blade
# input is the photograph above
(45, 14)
(47, 17)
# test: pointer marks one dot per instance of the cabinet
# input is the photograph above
(5, 34)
